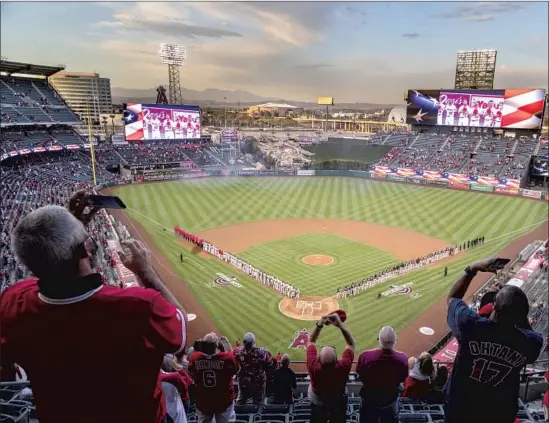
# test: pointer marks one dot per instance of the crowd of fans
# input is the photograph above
(463, 154)
(205, 372)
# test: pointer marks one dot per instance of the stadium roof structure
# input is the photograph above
(277, 105)
(28, 69)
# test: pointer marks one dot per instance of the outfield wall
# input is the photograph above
(379, 173)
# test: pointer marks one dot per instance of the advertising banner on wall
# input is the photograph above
(531, 194)
(305, 173)
(459, 185)
(437, 182)
(483, 188)
(418, 181)
(505, 190)
(396, 178)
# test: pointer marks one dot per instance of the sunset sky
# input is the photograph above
(355, 52)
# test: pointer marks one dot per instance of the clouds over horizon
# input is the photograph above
(296, 51)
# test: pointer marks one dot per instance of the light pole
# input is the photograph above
(174, 56)
(225, 107)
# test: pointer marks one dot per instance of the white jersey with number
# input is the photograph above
(168, 129)
(463, 117)
(441, 108)
(450, 114)
(155, 129)
(488, 119)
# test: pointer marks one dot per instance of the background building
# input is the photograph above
(82, 91)
(272, 109)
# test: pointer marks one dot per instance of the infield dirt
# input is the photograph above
(403, 243)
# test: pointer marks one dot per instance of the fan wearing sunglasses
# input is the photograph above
(329, 376)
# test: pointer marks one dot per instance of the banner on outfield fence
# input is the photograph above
(483, 188)
(530, 193)
(505, 190)
(428, 175)
(418, 181)
(305, 172)
(459, 185)
(396, 178)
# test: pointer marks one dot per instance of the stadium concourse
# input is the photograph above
(44, 161)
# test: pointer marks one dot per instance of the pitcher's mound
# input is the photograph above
(308, 308)
(318, 260)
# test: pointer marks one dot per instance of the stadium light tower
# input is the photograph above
(174, 56)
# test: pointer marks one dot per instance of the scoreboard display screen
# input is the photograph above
(143, 122)
(510, 108)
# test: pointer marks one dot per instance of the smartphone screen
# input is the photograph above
(105, 202)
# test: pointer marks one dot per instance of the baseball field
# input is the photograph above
(317, 234)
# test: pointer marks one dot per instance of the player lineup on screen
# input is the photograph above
(145, 122)
(170, 124)
(509, 108)
(458, 109)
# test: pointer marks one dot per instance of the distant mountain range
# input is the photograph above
(212, 97)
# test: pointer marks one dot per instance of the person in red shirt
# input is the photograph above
(213, 373)
(418, 383)
(329, 376)
(69, 331)
(174, 373)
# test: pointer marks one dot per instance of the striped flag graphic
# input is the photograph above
(523, 108)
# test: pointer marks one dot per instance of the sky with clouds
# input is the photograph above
(355, 52)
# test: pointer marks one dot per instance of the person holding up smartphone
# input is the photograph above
(492, 351)
(67, 329)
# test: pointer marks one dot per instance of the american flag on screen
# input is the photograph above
(523, 108)
(133, 122)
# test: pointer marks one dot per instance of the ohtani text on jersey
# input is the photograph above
(501, 352)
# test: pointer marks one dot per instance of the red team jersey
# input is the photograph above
(89, 354)
(213, 378)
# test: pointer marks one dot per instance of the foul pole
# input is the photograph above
(90, 139)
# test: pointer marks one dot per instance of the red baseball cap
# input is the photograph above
(486, 310)
(341, 313)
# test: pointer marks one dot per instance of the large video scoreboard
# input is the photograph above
(506, 109)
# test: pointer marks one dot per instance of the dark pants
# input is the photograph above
(255, 392)
(325, 413)
(373, 413)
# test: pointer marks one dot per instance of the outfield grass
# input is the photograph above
(283, 259)
(197, 205)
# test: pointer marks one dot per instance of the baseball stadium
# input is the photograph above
(267, 230)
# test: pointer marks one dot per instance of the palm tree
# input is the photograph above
(112, 121)
(105, 120)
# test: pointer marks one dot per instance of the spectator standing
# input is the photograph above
(329, 376)
(381, 371)
(284, 382)
(213, 371)
(254, 362)
(418, 383)
(174, 373)
(82, 328)
(492, 351)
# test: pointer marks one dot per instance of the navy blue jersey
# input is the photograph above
(486, 372)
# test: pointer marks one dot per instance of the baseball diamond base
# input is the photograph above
(308, 307)
(318, 260)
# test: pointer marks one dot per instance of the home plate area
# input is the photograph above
(308, 308)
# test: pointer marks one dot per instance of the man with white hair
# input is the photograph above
(329, 376)
(381, 372)
(254, 362)
(213, 372)
(67, 329)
